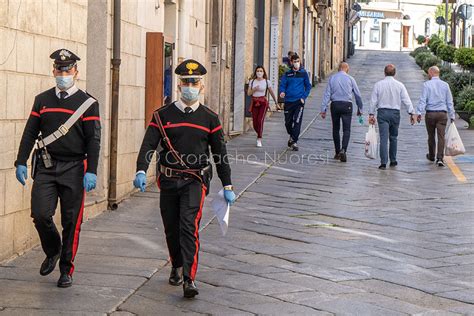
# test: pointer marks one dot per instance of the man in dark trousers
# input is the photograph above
(294, 88)
(437, 101)
(65, 168)
(339, 92)
(184, 171)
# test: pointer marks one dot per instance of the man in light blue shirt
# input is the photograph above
(437, 101)
(339, 92)
(387, 97)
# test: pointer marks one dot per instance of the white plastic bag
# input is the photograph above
(371, 142)
(453, 144)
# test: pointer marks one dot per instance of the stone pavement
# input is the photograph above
(308, 235)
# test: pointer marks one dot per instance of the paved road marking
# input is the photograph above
(352, 231)
(273, 166)
(356, 232)
(455, 169)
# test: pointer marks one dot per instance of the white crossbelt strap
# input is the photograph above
(64, 129)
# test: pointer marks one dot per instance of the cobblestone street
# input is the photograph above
(308, 235)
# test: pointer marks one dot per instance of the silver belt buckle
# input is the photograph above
(168, 172)
(63, 130)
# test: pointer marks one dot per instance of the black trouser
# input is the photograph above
(293, 118)
(341, 110)
(181, 204)
(64, 181)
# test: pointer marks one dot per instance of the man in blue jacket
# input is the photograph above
(294, 89)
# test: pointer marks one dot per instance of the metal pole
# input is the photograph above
(114, 108)
(446, 23)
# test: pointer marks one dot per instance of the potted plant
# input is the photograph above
(465, 58)
(420, 39)
(446, 53)
(429, 62)
(465, 105)
(418, 50)
(420, 58)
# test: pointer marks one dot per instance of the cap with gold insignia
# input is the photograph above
(190, 70)
(64, 59)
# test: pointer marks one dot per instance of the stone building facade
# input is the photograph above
(229, 37)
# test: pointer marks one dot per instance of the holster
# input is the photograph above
(34, 163)
(43, 156)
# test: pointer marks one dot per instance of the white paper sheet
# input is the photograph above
(221, 208)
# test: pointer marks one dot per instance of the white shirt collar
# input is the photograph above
(69, 91)
(181, 106)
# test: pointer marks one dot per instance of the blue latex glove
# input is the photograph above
(90, 180)
(140, 181)
(229, 196)
(21, 174)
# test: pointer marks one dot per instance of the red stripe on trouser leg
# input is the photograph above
(196, 234)
(77, 230)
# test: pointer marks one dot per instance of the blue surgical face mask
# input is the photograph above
(190, 94)
(64, 82)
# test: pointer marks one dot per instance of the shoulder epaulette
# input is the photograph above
(208, 110)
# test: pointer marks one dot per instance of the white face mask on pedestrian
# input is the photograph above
(296, 65)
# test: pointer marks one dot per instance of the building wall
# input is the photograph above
(417, 11)
(29, 32)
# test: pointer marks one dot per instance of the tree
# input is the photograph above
(441, 11)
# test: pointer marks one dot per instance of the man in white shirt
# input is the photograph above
(387, 97)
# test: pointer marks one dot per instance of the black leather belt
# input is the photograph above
(184, 173)
(436, 111)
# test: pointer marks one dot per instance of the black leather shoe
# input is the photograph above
(429, 158)
(337, 156)
(189, 289)
(176, 276)
(49, 264)
(290, 142)
(383, 167)
(65, 280)
(393, 163)
(343, 156)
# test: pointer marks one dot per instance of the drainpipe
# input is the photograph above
(446, 22)
(112, 199)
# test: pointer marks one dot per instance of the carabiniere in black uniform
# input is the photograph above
(192, 130)
(64, 167)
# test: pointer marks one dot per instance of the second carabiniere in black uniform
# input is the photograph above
(189, 133)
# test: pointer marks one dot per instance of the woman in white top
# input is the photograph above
(259, 86)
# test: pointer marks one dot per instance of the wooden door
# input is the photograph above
(406, 33)
(153, 73)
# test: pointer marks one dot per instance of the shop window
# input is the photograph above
(375, 35)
